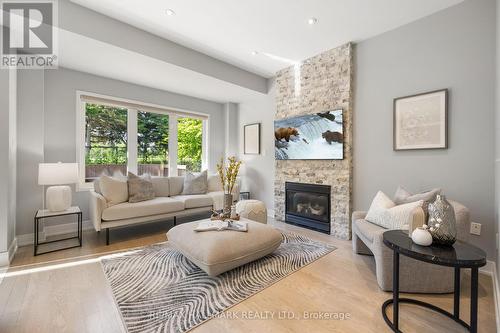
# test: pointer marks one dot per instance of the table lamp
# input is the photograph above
(58, 198)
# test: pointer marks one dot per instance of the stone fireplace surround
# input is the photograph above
(321, 83)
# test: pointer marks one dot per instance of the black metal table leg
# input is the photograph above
(395, 291)
(35, 236)
(456, 294)
(473, 299)
(80, 228)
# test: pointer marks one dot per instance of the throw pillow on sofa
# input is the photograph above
(140, 188)
(385, 213)
(195, 183)
(402, 196)
(114, 190)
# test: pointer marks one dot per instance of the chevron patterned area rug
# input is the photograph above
(158, 290)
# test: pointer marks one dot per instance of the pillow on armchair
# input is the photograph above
(385, 213)
(402, 196)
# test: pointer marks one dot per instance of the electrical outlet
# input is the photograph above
(475, 228)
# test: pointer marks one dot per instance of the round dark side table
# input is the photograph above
(460, 255)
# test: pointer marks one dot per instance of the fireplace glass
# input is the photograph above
(308, 205)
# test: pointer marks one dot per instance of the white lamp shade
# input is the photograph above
(57, 173)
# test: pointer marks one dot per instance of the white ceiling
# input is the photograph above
(230, 30)
(103, 59)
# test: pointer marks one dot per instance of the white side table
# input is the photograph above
(45, 213)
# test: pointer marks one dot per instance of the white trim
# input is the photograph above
(204, 144)
(13, 249)
(172, 112)
(80, 145)
(270, 213)
(168, 109)
(490, 269)
(28, 239)
(132, 128)
(7, 256)
(53, 230)
(173, 126)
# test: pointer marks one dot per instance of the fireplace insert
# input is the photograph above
(308, 205)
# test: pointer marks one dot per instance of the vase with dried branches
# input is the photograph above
(228, 174)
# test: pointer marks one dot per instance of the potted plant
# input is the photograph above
(228, 174)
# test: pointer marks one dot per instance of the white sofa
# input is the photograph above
(168, 203)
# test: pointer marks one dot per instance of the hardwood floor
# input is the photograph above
(66, 291)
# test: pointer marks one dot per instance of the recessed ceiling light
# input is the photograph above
(255, 52)
(170, 12)
(312, 21)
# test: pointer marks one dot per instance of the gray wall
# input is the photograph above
(258, 170)
(452, 49)
(8, 93)
(231, 128)
(58, 118)
(30, 133)
(497, 137)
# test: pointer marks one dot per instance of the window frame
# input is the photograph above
(132, 157)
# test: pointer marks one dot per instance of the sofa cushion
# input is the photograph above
(161, 186)
(195, 200)
(214, 183)
(115, 190)
(216, 252)
(140, 188)
(195, 183)
(176, 184)
(367, 229)
(156, 206)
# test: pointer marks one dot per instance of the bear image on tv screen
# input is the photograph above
(285, 133)
(318, 136)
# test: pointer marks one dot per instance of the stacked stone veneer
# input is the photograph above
(321, 83)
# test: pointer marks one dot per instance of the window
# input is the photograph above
(152, 143)
(105, 140)
(116, 136)
(189, 144)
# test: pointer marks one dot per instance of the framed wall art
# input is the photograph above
(421, 121)
(251, 138)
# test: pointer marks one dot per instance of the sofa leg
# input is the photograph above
(107, 236)
(175, 221)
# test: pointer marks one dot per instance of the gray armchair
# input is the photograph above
(415, 276)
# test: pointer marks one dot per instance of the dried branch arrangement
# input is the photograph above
(228, 173)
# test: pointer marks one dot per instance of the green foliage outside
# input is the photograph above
(152, 138)
(189, 138)
(106, 135)
(106, 138)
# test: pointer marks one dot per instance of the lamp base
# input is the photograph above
(58, 198)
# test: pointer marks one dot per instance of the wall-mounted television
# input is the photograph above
(318, 136)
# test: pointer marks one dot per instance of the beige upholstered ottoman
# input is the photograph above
(254, 210)
(216, 252)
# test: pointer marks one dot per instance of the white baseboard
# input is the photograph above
(6, 257)
(28, 239)
(491, 270)
(53, 230)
